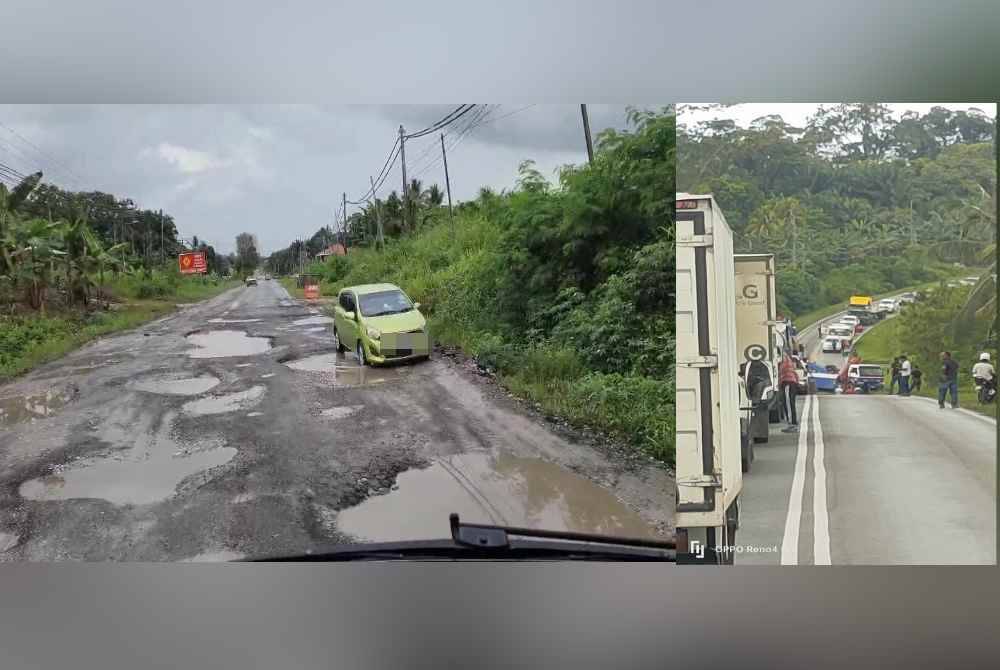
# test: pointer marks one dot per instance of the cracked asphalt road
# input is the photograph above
(232, 428)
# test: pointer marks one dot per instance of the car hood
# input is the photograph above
(397, 323)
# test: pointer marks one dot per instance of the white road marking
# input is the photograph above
(821, 517)
(790, 542)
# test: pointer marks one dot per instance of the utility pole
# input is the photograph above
(586, 132)
(913, 232)
(345, 223)
(162, 257)
(379, 238)
(402, 160)
(795, 241)
(447, 180)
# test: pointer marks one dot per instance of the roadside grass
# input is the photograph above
(27, 341)
(809, 319)
(879, 345)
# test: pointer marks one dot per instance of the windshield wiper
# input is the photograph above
(486, 542)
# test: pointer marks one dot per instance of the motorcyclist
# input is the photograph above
(983, 372)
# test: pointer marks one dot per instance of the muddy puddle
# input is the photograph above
(340, 412)
(226, 343)
(16, 409)
(147, 472)
(482, 488)
(345, 371)
(233, 320)
(172, 384)
(221, 404)
(312, 321)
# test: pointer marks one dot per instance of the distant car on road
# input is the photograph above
(267, 277)
(833, 345)
(379, 323)
(908, 297)
(887, 305)
(845, 332)
(251, 281)
(865, 377)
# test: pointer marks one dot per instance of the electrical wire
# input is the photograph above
(421, 168)
(65, 169)
(450, 118)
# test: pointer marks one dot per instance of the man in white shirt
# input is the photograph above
(983, 369)
(904, 375)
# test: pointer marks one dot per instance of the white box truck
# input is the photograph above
(709, 444)
(759, 345)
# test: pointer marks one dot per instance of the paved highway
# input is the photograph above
(872, 480)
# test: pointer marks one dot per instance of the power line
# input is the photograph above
(386, 169)
(480, 113)
(473, 123)
(64, 168)
(451, 117)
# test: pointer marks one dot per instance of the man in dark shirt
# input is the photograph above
(948, 381)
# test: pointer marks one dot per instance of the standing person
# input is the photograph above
(894, 379)
(916, 378)
(904, 375)
(789, 385)
(948, 380)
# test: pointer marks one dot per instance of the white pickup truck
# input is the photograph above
(711, 431)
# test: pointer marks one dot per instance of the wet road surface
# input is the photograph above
(232, 428)
(872, 480)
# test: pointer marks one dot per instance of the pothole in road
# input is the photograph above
(312, 321)
(30, 407)
(172, 384)
(149, 471)
(224, 403)
(233, 320)
(345, 372)
(503, 489)
(340, 412)
(226, 343)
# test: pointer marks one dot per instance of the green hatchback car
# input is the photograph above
(379, 323)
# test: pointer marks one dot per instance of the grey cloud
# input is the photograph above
(278, 171)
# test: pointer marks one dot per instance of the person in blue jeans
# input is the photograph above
(948, 381)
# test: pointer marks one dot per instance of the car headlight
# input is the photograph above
(374, 333)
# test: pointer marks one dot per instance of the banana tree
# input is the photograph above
(37, 249)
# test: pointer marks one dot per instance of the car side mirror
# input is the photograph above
(349, 315)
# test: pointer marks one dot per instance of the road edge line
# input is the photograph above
(821, 518)
(990, 420)
(793, 520)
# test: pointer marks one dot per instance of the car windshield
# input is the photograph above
(870, 371)
(384, 302)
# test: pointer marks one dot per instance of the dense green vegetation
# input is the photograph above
(566, 290)
(855, 202)
(62, 267)
(859, 202)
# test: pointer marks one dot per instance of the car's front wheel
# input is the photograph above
(340, 345)
(362, 359)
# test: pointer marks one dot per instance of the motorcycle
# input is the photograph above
(986, 390)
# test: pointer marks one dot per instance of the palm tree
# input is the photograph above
(435, 196)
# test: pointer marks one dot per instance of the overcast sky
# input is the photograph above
(278, 171)
(797, 113)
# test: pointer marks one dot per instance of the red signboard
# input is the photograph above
(192, 262)
(312, 291)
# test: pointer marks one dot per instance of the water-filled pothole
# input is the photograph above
(226, 343)
(221, 404)
(345, 371)
(504, 489)
(37, 406)
(175, 384)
